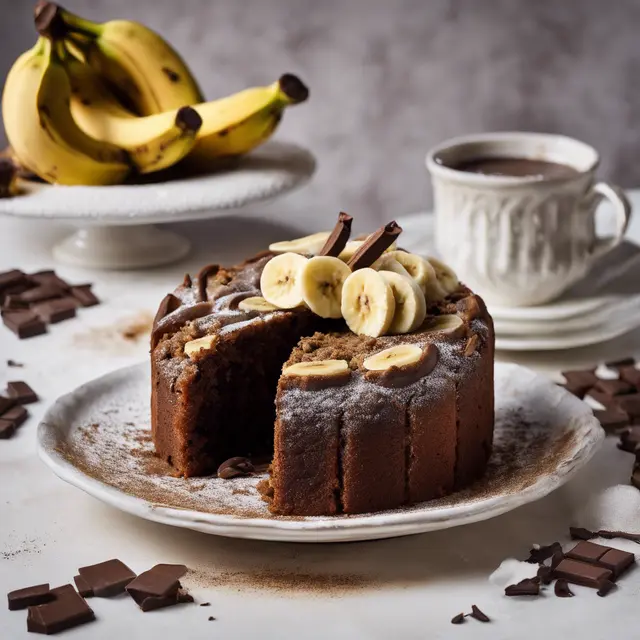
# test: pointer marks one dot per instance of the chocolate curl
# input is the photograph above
(202, 279)
(168, 305)
(337, 241)
(375, 246)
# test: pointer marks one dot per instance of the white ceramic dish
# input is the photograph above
(97, 439)
(115, 223)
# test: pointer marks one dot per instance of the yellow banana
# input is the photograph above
(41, 130)
(152, 145)
(230, 126)
(143, 68)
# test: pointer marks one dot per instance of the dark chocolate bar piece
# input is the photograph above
(25, 324)
(83, 587)
(6, 404)
(21, 392)
(83, 294)
(631, 375)
(622, 362)
(612, 420)
(337, 241)
(604, 399)
(67, 610)
(630, 405)
(582, 573)
(108, 578)
(159, 587)
(11, 278)
(538, 556)
(526, 587)
(40, 293)
(57, 310)
(49, 277)
(617, 561)
(614, 387)
(374, 246)
(16, 415)
(29, 596)
(151, 603)
(580, 381)
(7, 429)
(587, 551)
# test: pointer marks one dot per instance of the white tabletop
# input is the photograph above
(408, 587)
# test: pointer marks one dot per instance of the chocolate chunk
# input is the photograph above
(108, 578)
(160, 580)
(6, 404)
(472, 345)
(618, 364)
(202, 280)
(587, 551)
(545, 574)
(49, 277)
(15, 415)
(556, 558)
(83, 294)
(210, 618)
(613, 388)
(21, 392)
(11, 279)
(629, 439)
(479, 615)
(337, 241)
(617, 561)
(605, 587)
(41, 293)
(630, 405)
(561, 589)
(538, 556)
(13, 363)
(168, 305)
(578, 533)
(57, 310)
(526, 587)
(607, 401)
(575, 389)
(83, 587)
(582, 573)
(612, 420)
(67, 610)
(631, 375)
(580, 381)
(235, 468)
(7, 429)
(471, 307)
(25, 324)
(29, 596)
(150, 603)
(459, 619)
(374, 246)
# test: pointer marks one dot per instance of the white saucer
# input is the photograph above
(97, 438)
(114, 222)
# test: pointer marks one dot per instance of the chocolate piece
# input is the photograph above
(67, 610)
(610, 535)
(29, 596)
(556, 558)
(83, 294)
(234, 468)
(40, 293)
(205, 604)
(575, 389)
(7, 429)
(13, 363)
(25, 324)
(472, 345)
(168, 305)
(210, 618)
(605, 588)
(202, 279)
(618, 364)
(15, 415)
(6, 404)
(612, 420)
(459, 619)
(57, 310)
(617, 561)
(21, 392)
(374, 246)
(11, 279)
(187, 282)
(479, 615)
(613, 388)
(84, 588)
(150, 603)
(604, 399)
(526, 587)
(160, 580)
(545, 574)
(630, 375)
(49, 277)
(108, 578)
(587, 551)
(561, 589)
(630, 405)
(587, 575)
(580, 381)
(629, 439)
(471, 307)
(578, 533)
(538, 556)
(337, 241)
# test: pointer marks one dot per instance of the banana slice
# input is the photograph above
(387, 262)
(368, 305)
(201, 344)
(411, 307)
(353, 245)
(401, 365)
(318, 374)
(422, 272)
(308, 245)
(452, 325)
(321, 280)
(256, 303)
(446, 276)
(280, 280)
(398, 356)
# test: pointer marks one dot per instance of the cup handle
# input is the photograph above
(622, 209)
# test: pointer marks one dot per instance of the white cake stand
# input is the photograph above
(116, 225)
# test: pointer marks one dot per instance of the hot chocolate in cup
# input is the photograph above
(515, 213)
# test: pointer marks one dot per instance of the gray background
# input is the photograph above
(390, 78)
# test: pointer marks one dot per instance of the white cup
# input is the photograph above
(521, 241)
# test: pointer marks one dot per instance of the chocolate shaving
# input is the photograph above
(235, 468)
(538, 556)
(187, 282)
(459, 619)
(168, 305)
(374, 246)
(561, 589)
(609, 535)
(479, 615)
(545, 574)
(579, 533)
(526, 587)
(203, 278)
(337, 241)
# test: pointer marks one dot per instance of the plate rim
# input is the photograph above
(318, 529)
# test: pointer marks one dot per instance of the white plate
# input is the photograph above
(97, 439)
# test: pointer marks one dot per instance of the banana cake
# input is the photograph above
(363, 371)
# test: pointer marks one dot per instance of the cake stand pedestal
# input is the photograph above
(115, 226)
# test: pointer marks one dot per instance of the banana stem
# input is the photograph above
(76, 24)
